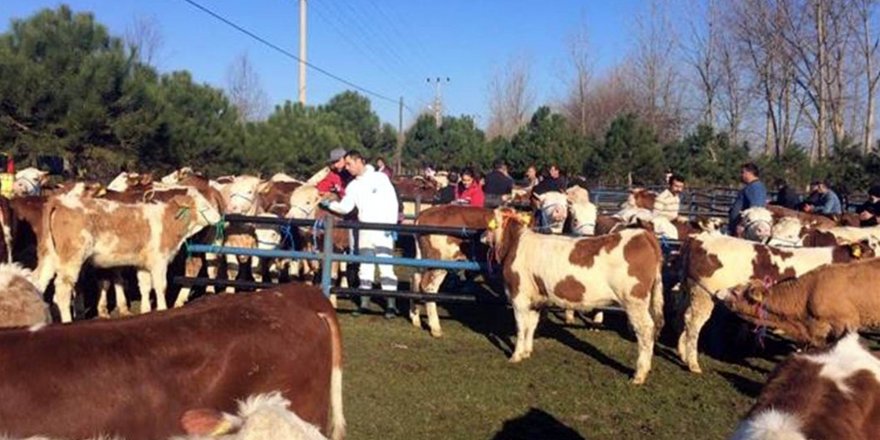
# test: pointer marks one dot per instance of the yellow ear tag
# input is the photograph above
(526, 218)
(493, 224)
(102, 192)
(856, 250)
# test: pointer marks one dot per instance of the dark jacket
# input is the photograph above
(447, 194)
(550, 184)
(872, 208)
(787, 197)
(498, 184)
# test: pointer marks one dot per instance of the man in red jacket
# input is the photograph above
(337, 179)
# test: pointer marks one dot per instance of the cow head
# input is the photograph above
(787, 232)
(504, 225)
(756, 224)
(554, 210)
(746, 295)
(240, 195)
(304, 202)
(583, 212)
(196, 209)
(29, 182)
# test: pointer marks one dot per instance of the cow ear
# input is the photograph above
(755, 291)
(264, 187)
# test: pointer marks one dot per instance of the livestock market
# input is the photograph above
(647, 220)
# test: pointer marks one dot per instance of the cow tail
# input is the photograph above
(336, 428)
(46, 256)
(656, 307)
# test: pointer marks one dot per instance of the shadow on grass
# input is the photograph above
(536, 424)
(745, 386)
(571, 341)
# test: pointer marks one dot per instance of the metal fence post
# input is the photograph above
(418, 205)
(327, 256)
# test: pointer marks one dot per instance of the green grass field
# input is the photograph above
(400, 383)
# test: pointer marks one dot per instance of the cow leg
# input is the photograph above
(698, 312)
(232, 262)
(532, 318)
(521, 315)
(63, 295)
(193, 267)
(434, 281)
(212, 262)
(103, 287)
(257, 269)
(569, 316)
(343, 275)
(640, 318)
(145, 285)
(121, 300)
(414, 317)
(158, 275)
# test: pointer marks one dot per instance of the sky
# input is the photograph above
(389, 47)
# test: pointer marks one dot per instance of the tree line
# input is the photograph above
(70, 88)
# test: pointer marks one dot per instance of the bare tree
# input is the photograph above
(577, 105)
(245, 90)
(653, 69)
(868, 41)
(510, 98)
(702, 53)
(144, 38)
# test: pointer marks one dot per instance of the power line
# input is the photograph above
(286, 53)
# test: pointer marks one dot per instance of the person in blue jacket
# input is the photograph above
(828, 203)
(752, 195)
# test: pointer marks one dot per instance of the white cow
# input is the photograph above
(29, 182)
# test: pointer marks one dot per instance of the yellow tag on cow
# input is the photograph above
(856, 250)
(526, 218)
(493, 224)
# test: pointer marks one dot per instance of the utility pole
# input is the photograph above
(302, 52)
(399, 152)
(438, 100)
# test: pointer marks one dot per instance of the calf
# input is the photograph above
(444, 247)
(283, 339)
(580, 273)
(260, 417)
(111, 234)
(29, 182)
(713, 262)
(21, 304)
(791, 231)
(821, 304)
(828, 394)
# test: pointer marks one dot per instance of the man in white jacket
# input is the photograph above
(376, 201)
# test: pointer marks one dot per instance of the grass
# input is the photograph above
(402, 383)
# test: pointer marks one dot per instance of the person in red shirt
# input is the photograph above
(337, 179)
(472, 193)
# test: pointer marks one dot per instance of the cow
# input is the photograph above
(274, 196)
(29, 182)
(756, 224)
(177, 176)
(712, 262)
(808, 219)
(260, 417)
(285, 339)
(112, 234)
(553, 208)
(254, 236)
(21, 303)
(791, 231)
(579, 273)
(444, 247)
(240, 196)
(124, 180)
(816, 307)
(830, 393)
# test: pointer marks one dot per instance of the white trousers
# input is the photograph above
(379, 244)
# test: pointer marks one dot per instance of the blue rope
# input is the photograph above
(319, 224)
(287, 235)
(664, 245)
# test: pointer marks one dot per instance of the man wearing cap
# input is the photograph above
(871, 208)
(374, 197)
(338, 178)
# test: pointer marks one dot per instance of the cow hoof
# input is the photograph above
(124, 313)
(437, 333)
(515, 359)
(415, 320)
(639, 380)
(695, 369)
(104, 314)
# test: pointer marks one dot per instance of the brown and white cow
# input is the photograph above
(832, 393)
(274, 196)
(713, 262)
(21, 303)
(240, 196)
(580, 273)
(285, 339)
(819, 305)
(444, 247)
(791, 231)
(111, 234)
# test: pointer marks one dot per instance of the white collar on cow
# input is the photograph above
(33, 184)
